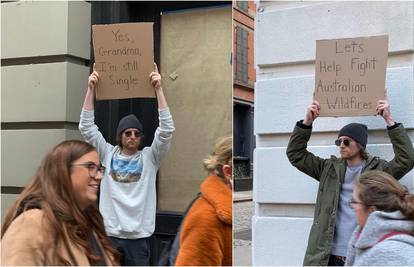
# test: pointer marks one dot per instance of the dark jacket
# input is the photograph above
(330, 173)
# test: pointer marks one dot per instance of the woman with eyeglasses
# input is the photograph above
(55, 220)
(385, 216)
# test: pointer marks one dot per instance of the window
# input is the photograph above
(243, 5)
(242, 54)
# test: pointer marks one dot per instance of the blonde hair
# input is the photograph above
(222, 155)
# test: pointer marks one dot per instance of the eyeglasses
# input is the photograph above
(346, 142)
(129, 133)
(92, 167)
(352, 202)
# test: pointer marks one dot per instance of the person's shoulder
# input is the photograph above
(201, 221)
(202, 213)
(395, 243)
(335, 159)
(31, 219)
(144, 152)
(31, 215)
(31, 223)
(392, 251)
(115, 150)
(26, 239)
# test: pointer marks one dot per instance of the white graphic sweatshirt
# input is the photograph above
(128, 194)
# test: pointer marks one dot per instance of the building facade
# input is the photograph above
(45, 62)
(44, 69)
(285, 55)
(244, 77)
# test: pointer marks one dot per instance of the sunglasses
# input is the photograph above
(346, 142)
(129, 133)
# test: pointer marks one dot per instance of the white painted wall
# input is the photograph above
(285, 54)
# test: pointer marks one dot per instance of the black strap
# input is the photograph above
(188, 208)
(28, 204)
(96, 250)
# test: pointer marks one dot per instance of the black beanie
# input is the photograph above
(129, 121)
(357, 131)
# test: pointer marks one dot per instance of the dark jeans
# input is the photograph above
(336, 261)
(134, 252)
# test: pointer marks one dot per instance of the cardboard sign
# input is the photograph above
(124, 59)
(350, 75)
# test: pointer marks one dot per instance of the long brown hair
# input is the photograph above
(51, 190)
(385, 193)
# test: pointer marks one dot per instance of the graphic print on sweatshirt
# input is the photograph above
(126, 169)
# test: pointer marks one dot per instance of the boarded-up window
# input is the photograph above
(242, 49)
(197, 77)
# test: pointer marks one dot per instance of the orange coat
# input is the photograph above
(206, 233)
(26, 242)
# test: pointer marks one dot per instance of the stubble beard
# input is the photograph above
(132, 145)
(351, 157)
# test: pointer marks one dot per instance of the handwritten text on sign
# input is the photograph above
(350, 75)
(124, 59)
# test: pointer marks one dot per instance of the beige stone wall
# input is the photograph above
(44, 46)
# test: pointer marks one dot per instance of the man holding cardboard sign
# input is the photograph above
(334, 220)
(128, 194)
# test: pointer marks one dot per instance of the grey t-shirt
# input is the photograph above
(345, 216)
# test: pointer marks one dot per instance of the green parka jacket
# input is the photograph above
(330, 173)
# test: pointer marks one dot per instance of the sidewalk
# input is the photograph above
(242, 196)
(243, 209)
